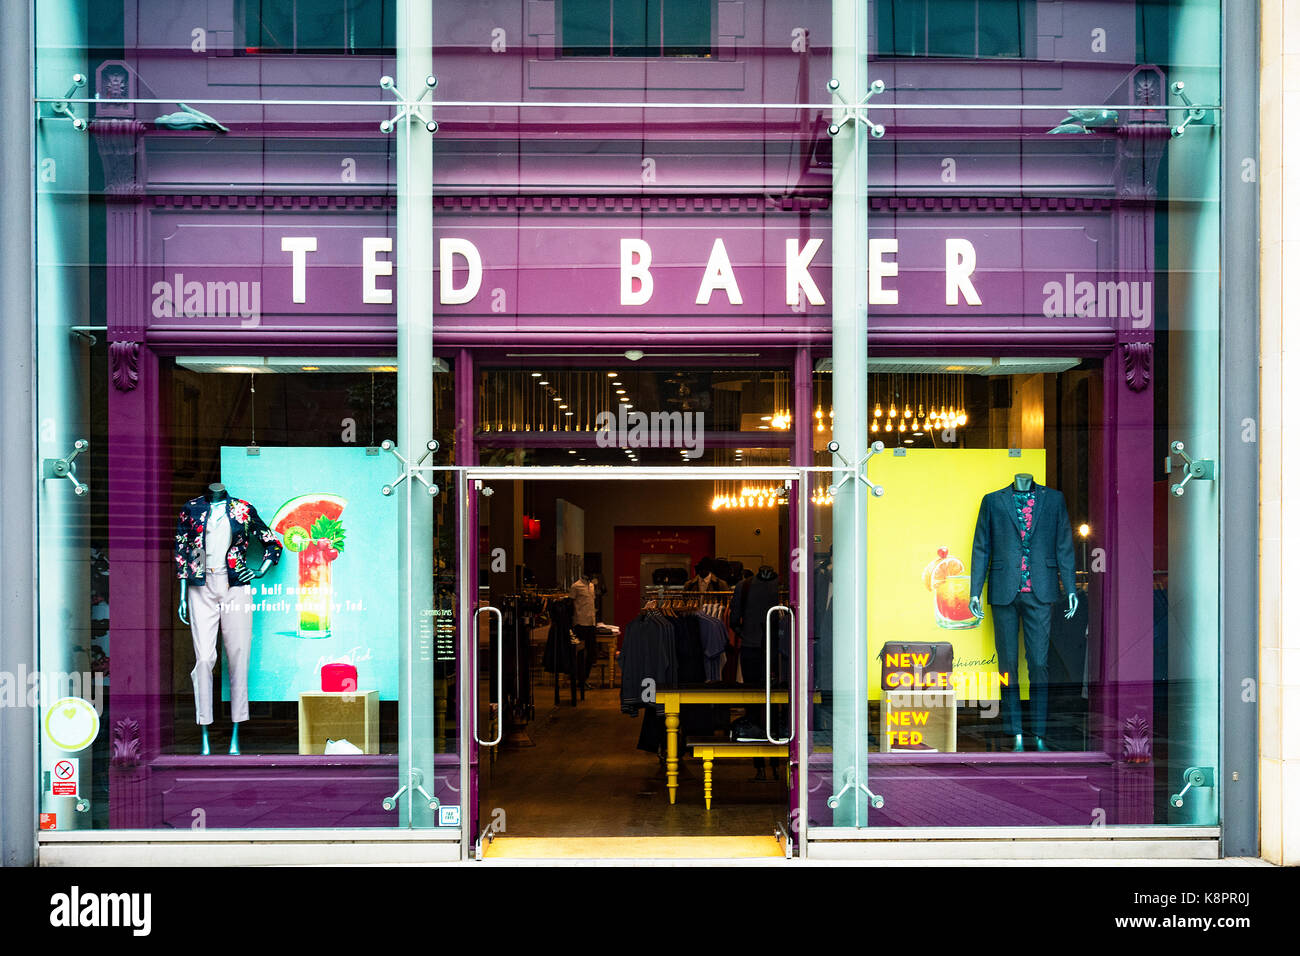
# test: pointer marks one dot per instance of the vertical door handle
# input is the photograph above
(767, 694)
(500, 674)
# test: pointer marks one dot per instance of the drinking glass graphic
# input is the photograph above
(952, 603)
(946, 577)
(311, 528)
(315, 588)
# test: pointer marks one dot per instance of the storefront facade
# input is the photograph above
(455, 302)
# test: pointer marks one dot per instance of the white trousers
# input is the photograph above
(218, 605)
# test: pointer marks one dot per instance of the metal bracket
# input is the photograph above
(1200, 469)
(858, 470)
(1192, 777)
(66, 467)
(415, 785)
(489, 834)
(64, 108)
(850, 783)
(1193, 114)
(413, 471)
(407, 107)
(855, 112)
(783, 838)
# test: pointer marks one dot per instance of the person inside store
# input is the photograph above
(583, 593)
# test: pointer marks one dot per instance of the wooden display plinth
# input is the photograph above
(338, 715)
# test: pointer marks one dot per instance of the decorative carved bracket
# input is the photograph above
(1137, 365)
(119, 143)
(124, 362)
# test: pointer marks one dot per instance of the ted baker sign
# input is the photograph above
(461, 274)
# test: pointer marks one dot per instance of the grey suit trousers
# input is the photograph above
(1036, 618)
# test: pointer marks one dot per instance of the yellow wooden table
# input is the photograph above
(673, 700)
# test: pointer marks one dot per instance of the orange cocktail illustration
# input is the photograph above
(946, 577)
(311, 528)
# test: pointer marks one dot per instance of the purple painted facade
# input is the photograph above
(545, 194)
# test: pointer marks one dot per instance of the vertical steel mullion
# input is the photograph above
(1239, 803)
(413, 254)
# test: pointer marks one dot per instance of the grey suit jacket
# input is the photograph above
(996, 550)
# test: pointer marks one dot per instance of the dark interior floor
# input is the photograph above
(585, 777)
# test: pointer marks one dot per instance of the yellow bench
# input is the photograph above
(710, 749)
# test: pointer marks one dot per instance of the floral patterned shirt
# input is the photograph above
(189, 557)
(1025, 522)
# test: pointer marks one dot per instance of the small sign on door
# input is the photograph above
(63, 778)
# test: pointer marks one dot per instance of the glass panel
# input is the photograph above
(688, 27)
(630, 597)
(950, 27)
(218, 239)
(643, 414)
(584, 27)
(1001, 28)
(635, 28)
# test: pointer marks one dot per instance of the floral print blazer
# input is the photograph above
(246, 526)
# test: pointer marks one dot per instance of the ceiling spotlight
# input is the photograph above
(537, 375)
(611, 374)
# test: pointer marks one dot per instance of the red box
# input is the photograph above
(338, 677)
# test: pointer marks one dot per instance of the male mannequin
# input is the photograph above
(213, 536)
(583, 593)
(1024, 547)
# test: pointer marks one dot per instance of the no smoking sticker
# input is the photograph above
(63, 778)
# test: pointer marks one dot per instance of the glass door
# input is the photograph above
(630, 638)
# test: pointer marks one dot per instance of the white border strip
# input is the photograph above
(1082, 834)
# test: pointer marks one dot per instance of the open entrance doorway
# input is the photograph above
(633, 635)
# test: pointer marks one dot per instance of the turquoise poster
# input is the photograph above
(333, 595)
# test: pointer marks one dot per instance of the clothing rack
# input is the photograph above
(713, 603)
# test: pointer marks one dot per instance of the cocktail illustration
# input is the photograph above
(946, 577)
(311, 528)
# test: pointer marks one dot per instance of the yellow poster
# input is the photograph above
(919, 536)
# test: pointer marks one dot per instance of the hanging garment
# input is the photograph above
(649, 654)
(559, 650)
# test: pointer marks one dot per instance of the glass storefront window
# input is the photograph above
(404, 280)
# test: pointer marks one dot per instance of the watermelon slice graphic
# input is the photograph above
(298, 515)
